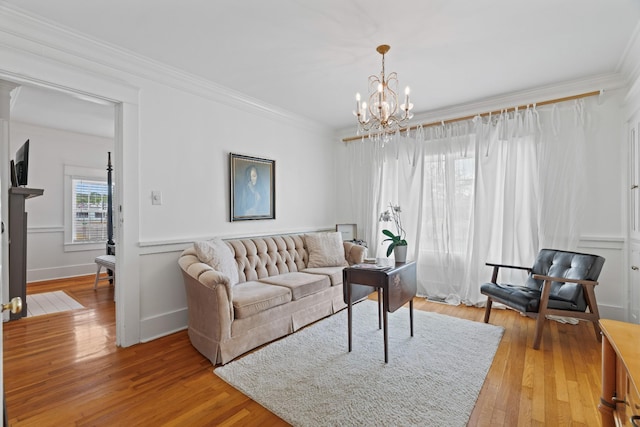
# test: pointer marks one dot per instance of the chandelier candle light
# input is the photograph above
(382, 114)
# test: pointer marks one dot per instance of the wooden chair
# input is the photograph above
(560, 283)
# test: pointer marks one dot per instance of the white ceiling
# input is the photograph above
(310, 57)
(58, 110)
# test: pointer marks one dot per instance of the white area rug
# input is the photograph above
(310, 379)
(50, 302)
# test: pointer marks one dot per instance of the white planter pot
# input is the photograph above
(400, 253)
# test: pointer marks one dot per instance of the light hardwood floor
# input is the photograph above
(64, 369)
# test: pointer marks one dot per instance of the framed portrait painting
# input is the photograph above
(253, 188)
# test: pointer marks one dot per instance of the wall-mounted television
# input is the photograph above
(22, 164)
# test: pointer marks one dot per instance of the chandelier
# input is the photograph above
(382, 113)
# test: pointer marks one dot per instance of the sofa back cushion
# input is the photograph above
(262, 257)
(325, 250)
(217, 254)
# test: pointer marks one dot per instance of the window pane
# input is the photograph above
(448, 199)
(463, 202)
(89, 210)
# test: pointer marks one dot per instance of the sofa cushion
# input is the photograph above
(218, 255)
(300, 284)
(252, 297)
(325, 250)
(334, 273)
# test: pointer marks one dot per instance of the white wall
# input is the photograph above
(49, 151)
(604, 227)
(185, 155)
(632, 124)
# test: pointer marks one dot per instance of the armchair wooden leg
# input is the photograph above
(542, 313)
(593, 308)
(538, 334)
(487, 310)
(596, 328)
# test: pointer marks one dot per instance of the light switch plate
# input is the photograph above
(156, 198)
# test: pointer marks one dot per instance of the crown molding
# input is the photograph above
(629, 64)
(22, 31)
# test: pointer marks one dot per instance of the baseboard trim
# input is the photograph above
(612, 312)
(164, 324)
(51, 273)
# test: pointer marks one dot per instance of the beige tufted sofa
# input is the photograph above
(280, 287)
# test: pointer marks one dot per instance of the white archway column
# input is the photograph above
(5, 118)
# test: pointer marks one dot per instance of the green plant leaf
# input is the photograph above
(389, 234)
(390, 248)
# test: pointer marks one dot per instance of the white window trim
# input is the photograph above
(71, 173)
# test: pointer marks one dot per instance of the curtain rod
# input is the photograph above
(508, 110)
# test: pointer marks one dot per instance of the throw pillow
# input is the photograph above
(217, 254)
(325, 250)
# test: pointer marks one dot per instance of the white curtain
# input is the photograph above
(493, 189)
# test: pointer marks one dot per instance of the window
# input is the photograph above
(449, 182)
(89, 210)
(85, 208)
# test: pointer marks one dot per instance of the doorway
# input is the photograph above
(70, 138)
(52, 115)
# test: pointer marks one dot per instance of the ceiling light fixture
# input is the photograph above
(382, 114)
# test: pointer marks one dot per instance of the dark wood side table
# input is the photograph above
(396, 282)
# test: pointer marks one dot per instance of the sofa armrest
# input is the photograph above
(202, 272)
(209, 298)
(353, 253)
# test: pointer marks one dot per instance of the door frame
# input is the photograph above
(5, 121)
(126, 179)
(74, 80)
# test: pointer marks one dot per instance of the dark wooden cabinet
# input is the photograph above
(18, 244)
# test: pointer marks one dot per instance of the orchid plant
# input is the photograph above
(397, 239)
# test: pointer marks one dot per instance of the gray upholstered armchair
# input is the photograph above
(560, 283)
